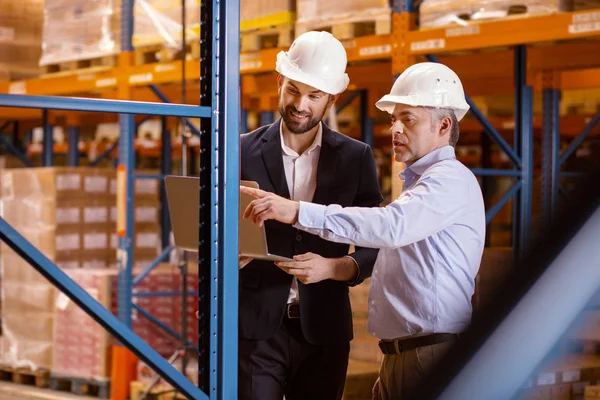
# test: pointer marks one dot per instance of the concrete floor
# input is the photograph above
(11, 391)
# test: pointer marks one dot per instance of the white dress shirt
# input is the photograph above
(301, 177)
(431, 242)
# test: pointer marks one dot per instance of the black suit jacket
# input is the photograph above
(346, 175)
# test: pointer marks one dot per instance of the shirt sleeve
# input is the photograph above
(435, 202)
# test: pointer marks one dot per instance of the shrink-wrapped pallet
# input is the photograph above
(437, 13)
(259, 13)
(81, 345)
(313, 14)
(20, 38)
(160, 22)
(63, 212)
(80, 30)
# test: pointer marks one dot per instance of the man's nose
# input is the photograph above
(397, 127)
(301, 104)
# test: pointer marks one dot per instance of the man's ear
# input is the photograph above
(332, 99)
(445, 126)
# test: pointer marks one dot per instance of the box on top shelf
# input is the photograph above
(76, 30)
(265, 12)
(344, 17)
(20, 38)
(158, 22)
(439, 13)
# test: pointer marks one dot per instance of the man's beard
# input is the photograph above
(299, 127)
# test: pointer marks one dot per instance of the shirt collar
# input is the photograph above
(316, 143)
(421, 165)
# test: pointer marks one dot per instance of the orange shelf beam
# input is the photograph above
(505, 32)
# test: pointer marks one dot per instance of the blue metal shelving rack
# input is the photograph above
(219, 179)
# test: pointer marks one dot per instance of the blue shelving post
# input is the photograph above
(48, 141)
(125, 184)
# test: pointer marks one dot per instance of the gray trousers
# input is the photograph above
(401, 373)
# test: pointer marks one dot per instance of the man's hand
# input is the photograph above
(270, 206)
(310, 268)
(243, 261)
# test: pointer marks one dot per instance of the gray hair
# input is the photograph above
(438, 114)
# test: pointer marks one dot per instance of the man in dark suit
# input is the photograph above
(295, 317)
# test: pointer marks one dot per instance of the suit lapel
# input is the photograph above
(273, 159)
(327, 169)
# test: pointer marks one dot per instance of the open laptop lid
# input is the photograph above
(183, 200)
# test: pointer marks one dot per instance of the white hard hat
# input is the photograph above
(427, 84)
(316, 59)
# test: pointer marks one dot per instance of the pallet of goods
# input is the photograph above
(440, 13)
(345, 19)
(20, 39)
(85, 36)
(79, 34)
(158, 28)
(63, 212)
(266, 24)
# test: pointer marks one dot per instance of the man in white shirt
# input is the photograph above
(295, 326)
(431, 237)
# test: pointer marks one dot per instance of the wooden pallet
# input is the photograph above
(161, 392)
(81, 386)
(87, 65)
(26, 376)
(344, 29)
(151, 54)
(276, 36)
(10, 73)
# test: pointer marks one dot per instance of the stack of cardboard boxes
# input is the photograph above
(63, 212)
(69, 214)
(20, 38)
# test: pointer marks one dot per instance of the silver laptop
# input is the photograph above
(183, 198)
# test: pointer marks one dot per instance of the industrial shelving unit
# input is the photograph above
(568, 60)
(218, 110)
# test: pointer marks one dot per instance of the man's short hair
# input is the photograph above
(438, 114)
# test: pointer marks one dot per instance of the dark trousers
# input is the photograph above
(288, 365)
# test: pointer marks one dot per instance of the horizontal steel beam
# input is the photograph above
(101, 105)
(94, 309)
(162, 294)
(496, 172)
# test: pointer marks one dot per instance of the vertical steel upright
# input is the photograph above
(523, 145)
(228, 147)
(550, 154)
(366, 126)
(207, 246)
(166, 168)
(73, 149)
(125, 182)
(219, 200)
(48, 141)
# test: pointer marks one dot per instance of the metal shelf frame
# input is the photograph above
(219, 196)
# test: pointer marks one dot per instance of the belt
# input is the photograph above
(400, 345)
(293, 310)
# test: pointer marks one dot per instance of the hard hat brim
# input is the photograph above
(388, 102)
